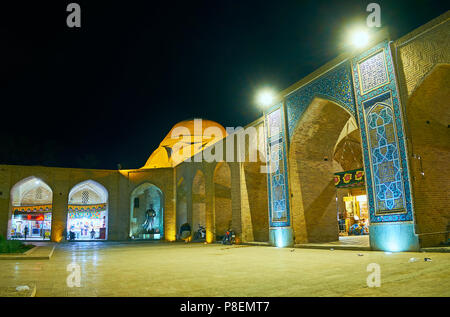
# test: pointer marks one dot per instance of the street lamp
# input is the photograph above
(265, 97)
(359, 38)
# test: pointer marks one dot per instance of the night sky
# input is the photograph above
(109, 92)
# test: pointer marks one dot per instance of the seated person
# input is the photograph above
(364, 227)
(185, 232)
(355, 229)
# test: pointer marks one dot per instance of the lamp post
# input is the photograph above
(265, 97)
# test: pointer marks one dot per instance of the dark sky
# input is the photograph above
(109, 92)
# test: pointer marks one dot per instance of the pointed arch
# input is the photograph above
(31, 204)
(315, 154)
(147, 212)
(198, 201)
(222, 199)
(87, 214)
(427, 123)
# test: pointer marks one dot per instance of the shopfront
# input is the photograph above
(87, 212)
(351, 200)
(31, 210)
(87, 222)
(31, 222)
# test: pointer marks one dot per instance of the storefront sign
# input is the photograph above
(87, 208)
(36, 208)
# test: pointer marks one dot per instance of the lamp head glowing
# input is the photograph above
(359, 38)
(265, 97)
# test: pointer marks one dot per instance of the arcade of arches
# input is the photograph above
(322, 141)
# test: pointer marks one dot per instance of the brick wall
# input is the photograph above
(423, 58)
(222, 198)
(313, 194)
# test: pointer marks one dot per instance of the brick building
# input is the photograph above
(359, 145)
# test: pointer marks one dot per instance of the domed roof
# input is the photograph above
(185, 139)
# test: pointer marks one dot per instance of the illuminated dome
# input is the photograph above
(184, 140)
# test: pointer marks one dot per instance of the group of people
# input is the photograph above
(359, 228)
(73, 235)
(186, 234)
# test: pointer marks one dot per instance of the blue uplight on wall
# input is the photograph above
(281, 237)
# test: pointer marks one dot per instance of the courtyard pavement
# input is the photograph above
(178, 269)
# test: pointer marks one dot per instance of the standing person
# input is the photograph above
(92, 234)
(25, 231)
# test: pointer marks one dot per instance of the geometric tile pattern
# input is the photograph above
(277, 184)
(335, 84)
(383, 139)
(373, 72)
(387, 177)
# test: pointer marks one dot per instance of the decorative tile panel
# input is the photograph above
(277, 179)
(373, 72)
(383, 146)
(382, 135)
(335, 84)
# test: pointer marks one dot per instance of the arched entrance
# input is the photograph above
(427, 121)
(256, 189)
(31, 210)
(182, 210)
(222, 199)
(326, 146)
(198, 201)
(147, 213)
(87, 214)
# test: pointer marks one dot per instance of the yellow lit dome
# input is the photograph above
(184, 140)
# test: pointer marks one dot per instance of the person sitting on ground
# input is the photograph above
(185, 232)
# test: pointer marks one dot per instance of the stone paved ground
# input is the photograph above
(164, 269)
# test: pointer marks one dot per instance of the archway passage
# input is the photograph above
(428, 122)
(326, 141)
(182, 207)
(31, 210)
(222, 200)
(351, 196)
(256, 190)
(198, 201)
(147, 213)
(87, 214)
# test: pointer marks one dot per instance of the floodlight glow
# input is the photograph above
(265, 97)
(360, 38)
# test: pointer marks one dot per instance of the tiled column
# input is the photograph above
(384, 152)
(280, 231)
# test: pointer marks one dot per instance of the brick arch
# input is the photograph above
(348, 152)
(427, 122)
(257, 199)
(30, 191)
(312, 163)
(222, 198)
(149, 195)
(182, 215)
(88, 192)
(198, 200)
(99, 192)
(23, 192)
